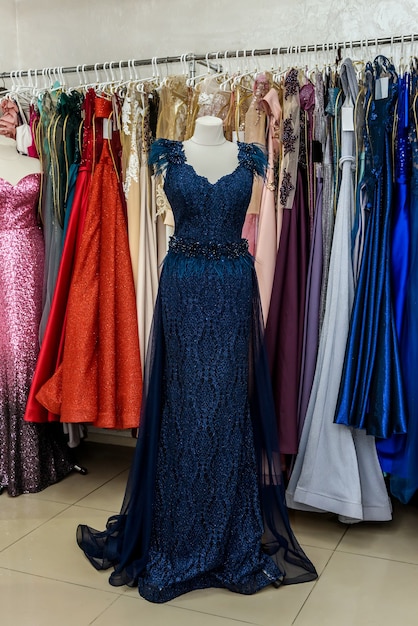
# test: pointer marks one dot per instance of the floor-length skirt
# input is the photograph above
(205, 489)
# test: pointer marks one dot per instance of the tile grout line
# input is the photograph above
(314, 586)
(66, 507)
(233, 619)
(375, 556)
(333, 551)
(104, 610)
(63, 582)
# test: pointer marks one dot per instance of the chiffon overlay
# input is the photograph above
(204, 505)
(31, 457)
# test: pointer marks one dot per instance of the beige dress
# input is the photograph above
(255, 132)
(268, 228)
(174, 120)
(137, 186)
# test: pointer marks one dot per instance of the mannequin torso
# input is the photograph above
(208, 152)
(14, 166)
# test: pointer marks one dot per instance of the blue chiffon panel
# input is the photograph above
(278, 539)
(124, 545)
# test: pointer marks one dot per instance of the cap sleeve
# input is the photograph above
(163, 152)
(254, 157)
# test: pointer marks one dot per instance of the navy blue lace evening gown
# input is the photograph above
(204, 504)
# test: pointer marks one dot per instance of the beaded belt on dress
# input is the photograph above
(209, 250)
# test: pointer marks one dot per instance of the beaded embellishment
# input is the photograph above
(288, 137)
(291, 84)
(211, 250)
(285, 188)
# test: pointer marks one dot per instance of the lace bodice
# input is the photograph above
(204, 211)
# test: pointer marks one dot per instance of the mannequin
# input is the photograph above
(14, 166)
(208, 152)
(205, 474)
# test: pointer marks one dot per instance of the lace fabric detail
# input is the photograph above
(289, 138)
(285, 188)
(291, 134)
(173, 108)
(210, 100)
(131, 114)
(291, 84)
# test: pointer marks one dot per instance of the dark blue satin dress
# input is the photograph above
(404, 478)
(391, 449)
(204, 505)
(372, 390)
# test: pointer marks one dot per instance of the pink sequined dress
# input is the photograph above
(31, 455)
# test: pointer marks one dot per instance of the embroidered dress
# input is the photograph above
(204, 505)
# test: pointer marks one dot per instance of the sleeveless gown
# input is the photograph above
(204, 505)
(371, 395)
(31, 457)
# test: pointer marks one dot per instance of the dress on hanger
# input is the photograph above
(391, 448)
(255, 132)
(175, 121)
(148, 249)
(205, 483)
(372, 394)
(266, 249)
(328, 208)
(310, 95)
(404, 478)
(337, 469)
(50, 355)
(99, 379)
(312, 305)
(31, 455)
(284, 326)
(140, 208)
(51, 216)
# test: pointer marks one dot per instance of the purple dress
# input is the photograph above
(285, 323)
(31, 458)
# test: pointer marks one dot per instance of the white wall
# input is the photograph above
(8, 36)
(39, 33)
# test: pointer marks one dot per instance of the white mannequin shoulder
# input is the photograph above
(15, 166)
(208, 152)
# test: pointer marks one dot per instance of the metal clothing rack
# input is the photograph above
(191, 58)
(212, 60)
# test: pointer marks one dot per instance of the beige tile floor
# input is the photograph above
(368, 573)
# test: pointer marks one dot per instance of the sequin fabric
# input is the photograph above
(31, 458)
